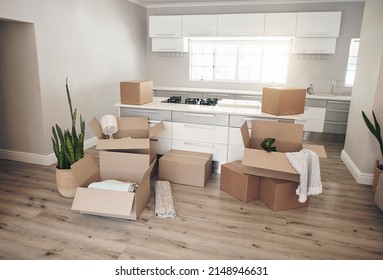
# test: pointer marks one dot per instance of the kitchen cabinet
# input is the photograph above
(314, 45)
(169, 45)
(200, 118)
(336, 117)
(165, 26)
(241, 24)
(183, 94)
(199, 25)
(314, 115)
(318, 24)
(280, 24)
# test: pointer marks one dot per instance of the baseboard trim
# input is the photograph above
(360, 177)
(45, 160)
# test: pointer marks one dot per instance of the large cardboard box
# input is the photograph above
(235, 182)
(288, 137)
(283, 101)
(185, 167)
(280, 194)
(118, 166)
(136, 92)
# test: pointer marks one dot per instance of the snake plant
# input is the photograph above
(68, 145)
(374, 129)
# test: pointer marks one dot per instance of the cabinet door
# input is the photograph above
(200, 133)
(315, 45)
(165, 26)
(199, 25)
(169, 45)
(241, 24)
(280, 24)
(318, 24)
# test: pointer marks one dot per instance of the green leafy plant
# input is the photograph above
(267, 145)
(375, 130)
(68, 145)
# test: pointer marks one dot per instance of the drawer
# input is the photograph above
(248, 97)
(235, 153)
(166, 133)
(235, 136)
(219, 95)
(183, 94)
(200, 133)
(338, 105)
(316, 103)
(237, 121)
(219, 151)
(335, 128)
(314, 113)
(312, 125)
(334, 115)
(160, 146)
(152, 114)
(200, 118)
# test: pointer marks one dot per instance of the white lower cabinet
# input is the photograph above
(162, 142)
(219, 151)
(313, 119)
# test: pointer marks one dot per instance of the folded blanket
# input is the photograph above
(164, 206)
(306, 163)
(114, 185)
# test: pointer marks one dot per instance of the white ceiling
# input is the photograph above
(178, 3)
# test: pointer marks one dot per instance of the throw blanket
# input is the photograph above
(306, 163)
(114, 185)
(164, 207)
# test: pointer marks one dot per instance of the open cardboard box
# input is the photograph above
(283, 101)
(117, 166)
(274, 164)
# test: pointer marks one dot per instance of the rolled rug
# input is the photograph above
(164, 205)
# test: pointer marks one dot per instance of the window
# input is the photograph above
(240, 61)
(351, 64)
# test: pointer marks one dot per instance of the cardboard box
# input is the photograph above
(280, 194)
(288, 137)
(185, 167)
(136, 92)
(118, 166)
(283, 101)
(235, 182)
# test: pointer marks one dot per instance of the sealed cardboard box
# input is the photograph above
(136, 92)
(185, 167)
(235, 182)
(288, 137)
(124, 167)
(280, 194)
(283, 101)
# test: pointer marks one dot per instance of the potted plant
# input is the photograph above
(68, 146)
(375, 130)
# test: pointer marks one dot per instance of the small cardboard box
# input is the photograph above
(118, 166)
(283, 101)
(185, 167)
(274, 164)
(280, 194)
(136, 92)
(235, 182)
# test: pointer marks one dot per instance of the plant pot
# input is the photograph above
(66, 182)
(377, 172)
(379, 193)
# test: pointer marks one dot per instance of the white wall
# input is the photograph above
(174, 71)
(96, 43)
(361, 148)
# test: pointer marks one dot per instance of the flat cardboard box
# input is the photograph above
(118, 166)
(185, 167)
(235, 182)
(280, 194)
(274, 164)
(283, 101)
(136, 92)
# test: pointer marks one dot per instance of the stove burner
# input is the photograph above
(174, 99)
(209, 101)
(192, 100)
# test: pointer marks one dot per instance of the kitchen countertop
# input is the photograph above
(325, 96)
(255, 111)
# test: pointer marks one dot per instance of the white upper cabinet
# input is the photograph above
(241, 25)
(199, 25)
(165, 26)
(280, 24)
(169, 45)
(318, 24)
(314, 45)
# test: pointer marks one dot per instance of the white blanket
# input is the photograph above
(164, 205)
(114, 185)
(306, 163)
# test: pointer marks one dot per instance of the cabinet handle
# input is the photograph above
(314, 51)
(154, 139)
(218, 94)
(199, 115)
(208, 127)
(249, 119)
(337, 110)
(337, 123)
(145, 111)
(199, 144)
(250, 96)
(154, 122)
(337, 102)
(319, 34)
(165, 34)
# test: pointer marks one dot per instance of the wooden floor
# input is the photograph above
(341, 223)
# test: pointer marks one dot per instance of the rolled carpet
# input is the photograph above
(164, 205)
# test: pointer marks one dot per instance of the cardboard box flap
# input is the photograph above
(245, 135)
(130, 144)
(86, 171)
(318, 149)
(184, 153)
(136, 127)
(147, 172)
(97, 201)
(156, 129)
(95, 126)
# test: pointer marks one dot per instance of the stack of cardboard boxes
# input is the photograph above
(269, 176)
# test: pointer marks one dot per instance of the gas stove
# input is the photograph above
(191, 100)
